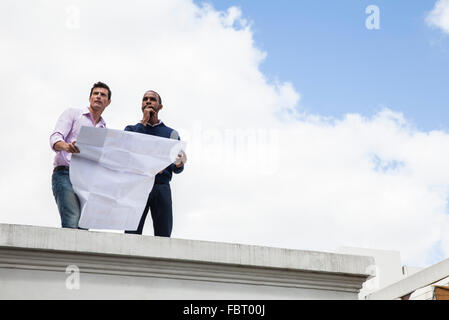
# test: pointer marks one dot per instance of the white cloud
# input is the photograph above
(439, 16)
(259, 171)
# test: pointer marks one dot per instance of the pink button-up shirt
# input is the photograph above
(67, 129)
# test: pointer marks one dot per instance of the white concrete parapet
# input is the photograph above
(56, 263)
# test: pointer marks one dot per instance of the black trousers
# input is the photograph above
(160, 204)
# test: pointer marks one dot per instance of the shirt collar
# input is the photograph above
(154, 125)
(86, 111)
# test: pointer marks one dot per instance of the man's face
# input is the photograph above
(151, 100)
(99, 99)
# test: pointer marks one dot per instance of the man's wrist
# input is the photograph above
(60, 145)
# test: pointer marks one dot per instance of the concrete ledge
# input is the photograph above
(143, 267)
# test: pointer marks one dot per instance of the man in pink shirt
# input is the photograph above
(63, 142)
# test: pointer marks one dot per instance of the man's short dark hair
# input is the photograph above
(158, 95)
(100, 84)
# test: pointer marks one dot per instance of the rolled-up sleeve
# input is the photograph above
(62, 128)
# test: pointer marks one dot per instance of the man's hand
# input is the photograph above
(181, 159)
(67, 147)
(147, 113)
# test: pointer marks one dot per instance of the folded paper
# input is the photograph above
(114, 173)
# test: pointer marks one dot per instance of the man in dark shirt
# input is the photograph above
(159, 200)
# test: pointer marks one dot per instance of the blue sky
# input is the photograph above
(339, 66)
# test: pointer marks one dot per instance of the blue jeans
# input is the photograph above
(66, 199)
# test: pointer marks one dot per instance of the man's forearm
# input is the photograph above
(67, 147)
(59, 146)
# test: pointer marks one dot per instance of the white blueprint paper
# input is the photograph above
(114, 173)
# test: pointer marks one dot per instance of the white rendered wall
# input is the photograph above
(387, 267)
(54, 263)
